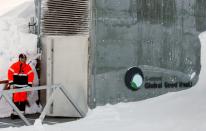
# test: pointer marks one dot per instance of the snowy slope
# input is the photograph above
(24, 10)
(15, 39)
(179, 111)
(8, 5)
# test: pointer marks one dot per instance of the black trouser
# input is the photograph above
(20, 105)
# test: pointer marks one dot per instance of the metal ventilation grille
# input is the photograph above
(64, 17)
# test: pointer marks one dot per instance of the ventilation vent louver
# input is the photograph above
(64, 17)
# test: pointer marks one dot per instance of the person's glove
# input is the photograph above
(9, 85)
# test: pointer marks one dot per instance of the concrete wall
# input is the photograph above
(159, 36)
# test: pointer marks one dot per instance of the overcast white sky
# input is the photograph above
(6, 5)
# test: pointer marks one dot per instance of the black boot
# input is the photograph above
(13, 117)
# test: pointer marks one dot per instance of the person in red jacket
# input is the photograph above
(20, 75)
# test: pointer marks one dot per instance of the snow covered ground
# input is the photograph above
(179, 111)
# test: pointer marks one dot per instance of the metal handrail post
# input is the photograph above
(5, 95)
(46, 108)
(65, 92)
(16, 109)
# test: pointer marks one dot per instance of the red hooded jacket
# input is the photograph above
(20, 69)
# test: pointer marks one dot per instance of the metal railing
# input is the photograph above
(6, 93)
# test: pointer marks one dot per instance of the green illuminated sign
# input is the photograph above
(134, 78)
